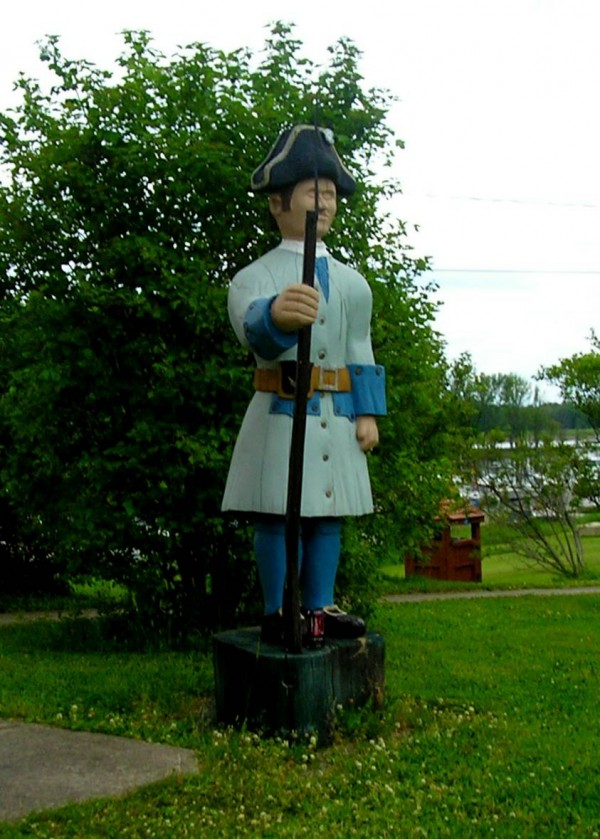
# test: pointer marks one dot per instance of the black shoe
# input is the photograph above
(339, 624)
(271, 628)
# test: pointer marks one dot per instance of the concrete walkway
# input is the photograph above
(42, 767)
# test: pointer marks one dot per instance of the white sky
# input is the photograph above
(498, 109)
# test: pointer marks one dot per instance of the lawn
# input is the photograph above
(490, 728)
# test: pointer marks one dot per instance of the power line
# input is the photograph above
(491, 200)
(583, 272)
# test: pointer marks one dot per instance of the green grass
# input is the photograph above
(490, 729)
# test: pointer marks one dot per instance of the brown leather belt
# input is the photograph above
(280, 380)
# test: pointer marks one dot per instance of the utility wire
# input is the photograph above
(584, 272)
(528, 202)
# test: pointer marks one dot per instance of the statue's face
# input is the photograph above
(292, 221)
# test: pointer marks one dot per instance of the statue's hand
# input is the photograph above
(367, 432)
(295, 307)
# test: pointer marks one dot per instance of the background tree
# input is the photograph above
(538, 486)
(578, 378)
(514, 393)
(486, 394)
(531, 490)
(124, 212)
(504, 406)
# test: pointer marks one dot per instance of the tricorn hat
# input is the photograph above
(299, 153)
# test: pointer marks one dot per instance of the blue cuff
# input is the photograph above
(261, 333)
(368, 389)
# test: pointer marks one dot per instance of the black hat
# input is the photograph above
(299, 153)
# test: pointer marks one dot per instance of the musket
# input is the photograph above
(291, 601)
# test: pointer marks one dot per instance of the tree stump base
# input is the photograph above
(270, 690)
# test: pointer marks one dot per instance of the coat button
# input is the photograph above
(325, 457)
(322, 354)
(328, 494)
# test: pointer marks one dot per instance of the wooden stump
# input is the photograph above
(268, 689)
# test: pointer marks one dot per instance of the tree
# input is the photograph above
(514, 392)
(503, 405)
(578, 379)
(532, 491)
(537, 489)
(486, 395)
(123, 214)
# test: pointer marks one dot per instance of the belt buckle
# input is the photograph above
(286, 380)
(286, 384)
(324, 379)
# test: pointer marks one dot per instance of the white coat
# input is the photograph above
(336, 481)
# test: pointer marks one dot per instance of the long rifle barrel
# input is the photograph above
(291, 602)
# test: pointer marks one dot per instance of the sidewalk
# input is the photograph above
(43, 767)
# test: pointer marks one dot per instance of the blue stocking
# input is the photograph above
(321, 540)
(270, 555)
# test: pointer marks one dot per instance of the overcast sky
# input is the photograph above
(497, 104)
